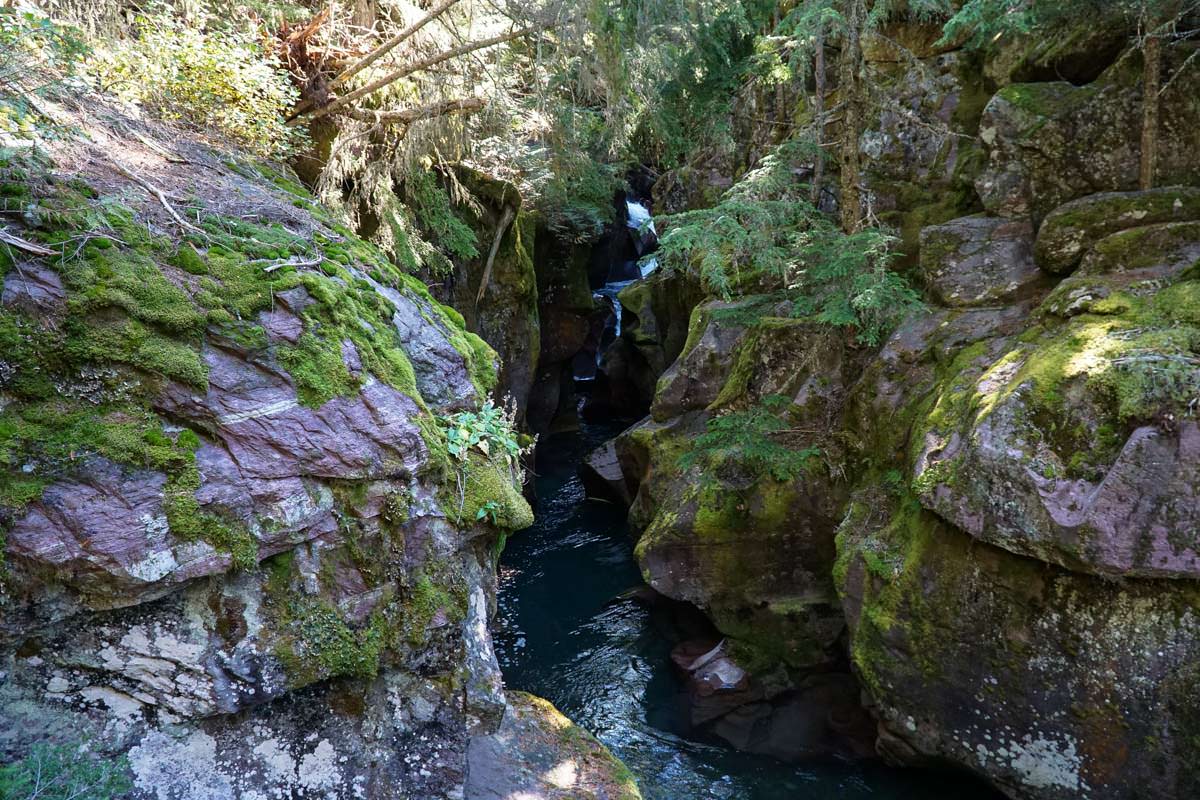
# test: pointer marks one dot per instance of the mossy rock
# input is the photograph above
(963, 646)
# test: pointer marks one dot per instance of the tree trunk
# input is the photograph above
(850, 91)
(818, 176)
(365, 13)
(1151, 81)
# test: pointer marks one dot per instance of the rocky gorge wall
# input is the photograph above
(990, 521)
(238, 558)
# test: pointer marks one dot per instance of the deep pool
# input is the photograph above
(564, 633)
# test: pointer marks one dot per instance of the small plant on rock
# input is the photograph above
(486, 450)
(757, 438)
(63, 772)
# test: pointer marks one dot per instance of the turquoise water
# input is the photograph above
(564, 633)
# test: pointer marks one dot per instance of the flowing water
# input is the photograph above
(564, 633)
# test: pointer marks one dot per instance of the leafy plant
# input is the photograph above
(489, 438)
(37, 56)
(61, 772)
(490, 431)
(219, 80)
(489, 510)
(756, 438)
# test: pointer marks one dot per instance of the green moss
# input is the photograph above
(317, 367)
(188, 260)
(424, 600)
(321, 644)
(478, 355)
(190, 524)
(487, 481)
(129, 342)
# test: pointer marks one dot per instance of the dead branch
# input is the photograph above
(409, 69)
(272, 264)
(28, 247)
(380, 51)
(385, 48)
(506, 219)
(157, 193)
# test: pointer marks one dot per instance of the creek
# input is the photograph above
(568, 630)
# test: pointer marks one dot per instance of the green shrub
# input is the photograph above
(59, 772)
(36, 56)
(219, 80)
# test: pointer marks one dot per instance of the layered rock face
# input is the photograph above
(997, 517)
(236, 553)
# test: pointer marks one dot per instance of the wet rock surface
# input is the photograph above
(541, 755)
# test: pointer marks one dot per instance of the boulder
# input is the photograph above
(920, 154)
(1052, 684)
(1070, 230)
(746, 543)
(602, 475)
(538, 754)
(979, 261)
(1072, 444)
(235, 555)
(1051, 143)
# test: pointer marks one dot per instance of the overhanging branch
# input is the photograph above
(409, 69)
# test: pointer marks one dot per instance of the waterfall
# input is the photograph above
(633, 262)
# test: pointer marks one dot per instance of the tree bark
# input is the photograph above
(1151, 82)
(818, 176)
(365, 13)
(850, 90)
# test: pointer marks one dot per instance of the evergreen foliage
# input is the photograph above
(765, 235)
(61, 772)
(755, 438)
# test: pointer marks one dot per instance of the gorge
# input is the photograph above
(730, 400)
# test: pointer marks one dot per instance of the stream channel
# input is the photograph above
(564, 632)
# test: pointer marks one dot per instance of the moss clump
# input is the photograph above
(129, 342)
(317, 367)
(424, 600)
(487, 485)
(188, 260)
(320, 643)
